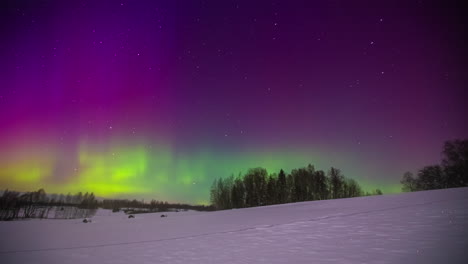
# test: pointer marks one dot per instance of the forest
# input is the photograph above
(258, 188)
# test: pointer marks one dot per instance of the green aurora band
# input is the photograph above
(156, 171)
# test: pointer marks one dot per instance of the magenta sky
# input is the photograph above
(157, 98)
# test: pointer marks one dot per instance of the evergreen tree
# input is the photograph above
(271, 190)
(282, 187)
(238, 193)
(311, 184)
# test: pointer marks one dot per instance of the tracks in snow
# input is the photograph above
(222, 232)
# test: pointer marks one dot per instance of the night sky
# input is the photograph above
(155, 99)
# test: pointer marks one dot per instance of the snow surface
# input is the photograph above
(420, 227)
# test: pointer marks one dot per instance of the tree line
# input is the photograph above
(38, 204)
(258, 188)
(451, 172)
(152, 206)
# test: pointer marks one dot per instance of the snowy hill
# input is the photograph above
(420, 227)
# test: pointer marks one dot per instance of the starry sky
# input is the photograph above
(155, 99)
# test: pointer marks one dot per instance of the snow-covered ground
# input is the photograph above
(421, 227)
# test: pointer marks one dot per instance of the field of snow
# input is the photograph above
(421, 227)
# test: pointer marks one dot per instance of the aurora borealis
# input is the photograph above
(155, 99)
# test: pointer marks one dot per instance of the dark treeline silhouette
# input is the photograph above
(452, 172)
(17, 205)
(257, 188)
(135, 206)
